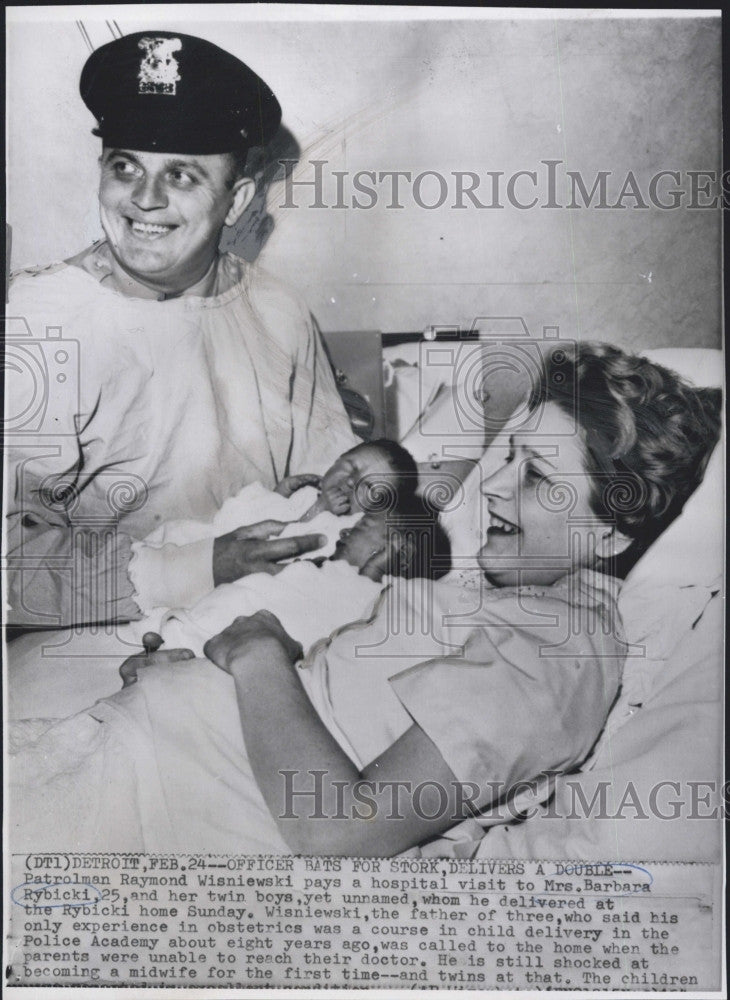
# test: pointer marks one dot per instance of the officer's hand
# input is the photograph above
(291, 484)
(251, 550)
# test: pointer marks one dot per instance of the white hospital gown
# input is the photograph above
(501, 681)
(162, 580)
(124, 412)
(309, 601)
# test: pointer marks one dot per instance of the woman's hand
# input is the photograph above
(152, 655)
(291, 484)
(248, 635)
(250, 550)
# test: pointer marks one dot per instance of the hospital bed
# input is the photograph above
(445, 396)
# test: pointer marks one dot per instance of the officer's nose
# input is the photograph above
(149, 194)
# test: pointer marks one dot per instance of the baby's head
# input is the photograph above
(407, 541)
(365, 475)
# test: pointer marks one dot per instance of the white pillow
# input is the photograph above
(702, 366)
(688, 558)
(691, 550)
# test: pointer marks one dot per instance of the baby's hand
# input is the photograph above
(337, 499)
(152, 655)
(291, 484)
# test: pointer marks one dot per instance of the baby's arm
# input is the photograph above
(291, 484)
(317, 507)
(335, 499)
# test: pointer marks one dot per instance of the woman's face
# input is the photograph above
(536, 507)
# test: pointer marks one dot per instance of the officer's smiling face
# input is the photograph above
(162, 213)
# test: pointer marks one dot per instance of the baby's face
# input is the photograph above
(366, 539)
(338, 490)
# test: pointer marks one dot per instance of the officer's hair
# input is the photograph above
(241, 163)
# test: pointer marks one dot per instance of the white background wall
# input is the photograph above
(449, 95)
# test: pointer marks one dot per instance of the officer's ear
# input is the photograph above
(243, 191)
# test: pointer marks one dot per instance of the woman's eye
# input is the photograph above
(532, 474)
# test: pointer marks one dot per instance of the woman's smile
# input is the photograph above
(500, 526)
(531, 538)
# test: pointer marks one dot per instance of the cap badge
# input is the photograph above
(158, 70)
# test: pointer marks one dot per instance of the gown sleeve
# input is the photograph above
(66, 563)
(320, 429)
(510, 708)
(60, 574)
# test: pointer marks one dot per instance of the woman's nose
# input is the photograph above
(500, 483)
(149, 194)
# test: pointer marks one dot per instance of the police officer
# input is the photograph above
(187, 373)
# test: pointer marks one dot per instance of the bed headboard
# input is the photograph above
(357, 358)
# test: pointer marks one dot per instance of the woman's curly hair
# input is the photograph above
(647, 434)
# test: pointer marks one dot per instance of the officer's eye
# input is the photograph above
(182, 179)
(125, 168)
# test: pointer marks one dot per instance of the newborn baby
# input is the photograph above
(312, 598)
(369, 476)
(372, 476)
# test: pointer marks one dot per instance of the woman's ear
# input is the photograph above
(243, 191)
(611, 542)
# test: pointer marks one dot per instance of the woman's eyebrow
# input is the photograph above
(531, 452)
(541, 458)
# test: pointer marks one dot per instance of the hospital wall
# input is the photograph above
(452, 98)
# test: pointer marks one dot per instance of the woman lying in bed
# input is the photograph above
(393, 730)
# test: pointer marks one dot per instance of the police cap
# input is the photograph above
(165, 92)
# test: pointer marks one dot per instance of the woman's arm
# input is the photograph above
(404, 797)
